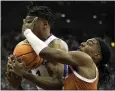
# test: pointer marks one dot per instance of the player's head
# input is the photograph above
(44, 22)
(100, 53)
(97, 49)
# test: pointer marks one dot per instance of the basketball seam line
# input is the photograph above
(32, 60)
(25, 54)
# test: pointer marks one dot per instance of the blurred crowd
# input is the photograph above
(9, 41)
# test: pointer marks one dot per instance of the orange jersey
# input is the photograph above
(76, 82)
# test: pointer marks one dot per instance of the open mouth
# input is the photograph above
(80, 45)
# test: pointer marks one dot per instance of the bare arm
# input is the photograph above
(76, 58)
(51, 54)
(73, 58)
(48, 83)
(55, 81)
(13, 79)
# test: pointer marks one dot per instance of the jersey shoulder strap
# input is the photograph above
(83, 78)
(50, 39)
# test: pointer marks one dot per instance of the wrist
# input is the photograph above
(24, 74)
(27, 31)
(34, 41)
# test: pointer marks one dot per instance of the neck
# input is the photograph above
(43, 36)
(46, 36)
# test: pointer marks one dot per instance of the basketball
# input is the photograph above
(24, 50)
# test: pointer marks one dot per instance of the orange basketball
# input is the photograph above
(24, 50)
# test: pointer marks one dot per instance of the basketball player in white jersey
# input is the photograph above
(51, 73)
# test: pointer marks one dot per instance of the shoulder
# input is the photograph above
(82, 57)
(59, 43)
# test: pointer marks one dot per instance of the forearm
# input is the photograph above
(55, 55)
(47, 83)
(46, 52)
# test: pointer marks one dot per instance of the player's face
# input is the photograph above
(92, 47)
(38, 27)
(89, 45)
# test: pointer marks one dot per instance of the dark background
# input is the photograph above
(87, 19)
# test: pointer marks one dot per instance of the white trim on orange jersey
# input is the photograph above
(83, 78)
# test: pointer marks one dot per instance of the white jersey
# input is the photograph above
(42, 69)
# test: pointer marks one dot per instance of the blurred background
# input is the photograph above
(76, 21)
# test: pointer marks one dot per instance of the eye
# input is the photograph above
(89, 43)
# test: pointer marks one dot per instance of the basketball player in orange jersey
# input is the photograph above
(52, 72)
(84, 63)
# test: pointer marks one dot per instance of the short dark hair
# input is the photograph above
(43, 12)
(105, 51)
(103, 66)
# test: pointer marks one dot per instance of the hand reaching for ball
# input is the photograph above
(14, 80)
(16, 67)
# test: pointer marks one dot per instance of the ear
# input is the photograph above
(45, 23)
(98, 56)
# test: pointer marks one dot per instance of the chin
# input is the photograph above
(80, 48)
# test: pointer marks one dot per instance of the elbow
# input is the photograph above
(59, 81)
(59, 84)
